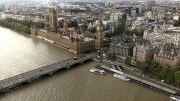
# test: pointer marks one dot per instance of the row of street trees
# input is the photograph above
(167, 73)
(134, 31)
(16, 26)
(170, 75)
(71, 23)
(121, 29)
(22, 26)
(128, 60)
(118, 31)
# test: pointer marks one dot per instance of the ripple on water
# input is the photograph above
(20, 53)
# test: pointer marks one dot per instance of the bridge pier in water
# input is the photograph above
(9, 83)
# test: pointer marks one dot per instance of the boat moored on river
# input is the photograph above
(175, 97)
(97, 71)
(121, 76)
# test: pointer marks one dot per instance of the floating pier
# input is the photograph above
(140, 81)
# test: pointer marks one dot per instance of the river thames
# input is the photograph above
(21, 53)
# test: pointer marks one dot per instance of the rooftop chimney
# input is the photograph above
(166, 47)
(143, 45)
(162, 48)
(172, 51)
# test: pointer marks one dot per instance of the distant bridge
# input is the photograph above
(29, 76)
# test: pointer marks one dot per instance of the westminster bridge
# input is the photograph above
(28, 77)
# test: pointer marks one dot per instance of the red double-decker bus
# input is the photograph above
(75, 58)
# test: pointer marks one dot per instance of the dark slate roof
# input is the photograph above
(167, 53)
(89, 34)
(144, 48)
(125, 45)
(128, 42)
(172, 31)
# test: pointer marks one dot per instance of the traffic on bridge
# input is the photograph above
(29, 76)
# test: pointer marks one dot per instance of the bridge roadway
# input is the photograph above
(14, 81)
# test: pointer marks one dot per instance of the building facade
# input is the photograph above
(140, 24)
(142, 52)
(124, 46)
(167, 55)
(75, 41)
(116, 17)
(150, 4)
(122, 49)
(99, 36)
(53, 18)
(163, 33)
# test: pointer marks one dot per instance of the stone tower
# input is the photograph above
(99, 35)
(65, 26)
(53, 18)
(34, 31)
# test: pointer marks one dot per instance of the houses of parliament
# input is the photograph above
(75, 41)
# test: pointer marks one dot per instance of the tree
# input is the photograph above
(15, 24)
(61, 22)
(128, 32)
(134, 31)
(40, 24)
(177, 23)
(156, 72)
(170, 77)
(176, 68)
(93, 30)
(119, 30)
(73, 23)
(154, 64)
(138, 64)
(112, 56)
(128, 60)
(144, 67)
(84, 26)
(177, 77)
(148, 61)
(164, 72)
(108, 35)
(124, 16)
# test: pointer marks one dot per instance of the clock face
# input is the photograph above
(98, 28)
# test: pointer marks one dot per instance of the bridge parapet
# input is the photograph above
(11, 82)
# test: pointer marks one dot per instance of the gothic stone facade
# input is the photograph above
(73, 41)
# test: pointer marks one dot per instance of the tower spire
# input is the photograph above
(99, 35)
(65, 26)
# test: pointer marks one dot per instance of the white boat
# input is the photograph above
(97, 71)
(49, 41)
(39, 37)
(121, 76)
(175, 97)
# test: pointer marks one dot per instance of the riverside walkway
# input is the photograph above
(140, 81)
(29, 76)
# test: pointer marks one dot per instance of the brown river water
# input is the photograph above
(21, 53)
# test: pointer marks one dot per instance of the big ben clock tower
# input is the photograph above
(99, 36)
